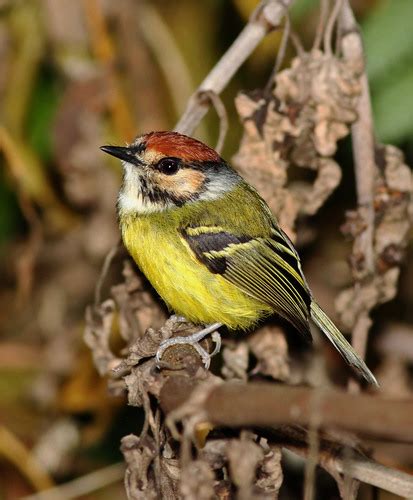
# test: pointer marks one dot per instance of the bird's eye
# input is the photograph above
(168, 166)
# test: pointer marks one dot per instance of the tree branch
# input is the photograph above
(358, 467)
(362, 132)
(237, 405)
(268, 405)
(378, 475)
(265, 18)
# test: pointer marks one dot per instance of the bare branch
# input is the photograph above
(362, 132)
(283, 46)
(103, 273)
(360, 468)
(265, 18)
(378, 475)
(328, 34)
(324, 5)
(222, 115)
(238, 405)
(363, 135)
(311, 463)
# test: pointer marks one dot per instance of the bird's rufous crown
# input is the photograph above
(180, 146)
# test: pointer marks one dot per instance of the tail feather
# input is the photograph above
(334, 335)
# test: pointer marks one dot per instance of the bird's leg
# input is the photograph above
(193, 340)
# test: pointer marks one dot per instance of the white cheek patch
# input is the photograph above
(132, 204)
(131, 199)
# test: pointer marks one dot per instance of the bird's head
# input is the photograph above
(164, 170)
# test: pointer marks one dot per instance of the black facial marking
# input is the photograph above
(144, 185)
(207, 166)
(157, 195)
(138, 149)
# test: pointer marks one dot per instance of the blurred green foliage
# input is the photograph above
(41, 113)
(388, 38)
(9, 211)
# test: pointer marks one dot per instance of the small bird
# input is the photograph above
(209, 244)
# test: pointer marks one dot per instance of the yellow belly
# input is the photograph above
(185, 284)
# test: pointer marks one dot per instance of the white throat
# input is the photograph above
(130, 199)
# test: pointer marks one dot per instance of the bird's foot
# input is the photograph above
(193, 340)
(178, 319)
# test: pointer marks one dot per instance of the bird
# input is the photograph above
(210, 245)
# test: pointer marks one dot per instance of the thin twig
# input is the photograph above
(370, 472)
(281, 53)
(222, 115)
(350, 484)
(324, 4)
(265, 18)
(313, 446)
(365, 470)
(328, 33)
(283, 45)
(339, 36)
(310, 464)
(296, 41)
(362, 132)
(105, 268)
(156, 431)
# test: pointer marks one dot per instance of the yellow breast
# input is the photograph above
(185, 284)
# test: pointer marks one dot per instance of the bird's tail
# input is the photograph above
(334, 335)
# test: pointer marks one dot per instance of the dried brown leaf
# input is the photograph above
(393, 204)
(270, 348)
(139, 454)
(270, 474)
(244, 456)
(197, 481)
(235, 359)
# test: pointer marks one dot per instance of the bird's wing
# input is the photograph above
(266, 268)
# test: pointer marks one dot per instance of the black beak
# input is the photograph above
(123, 153)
